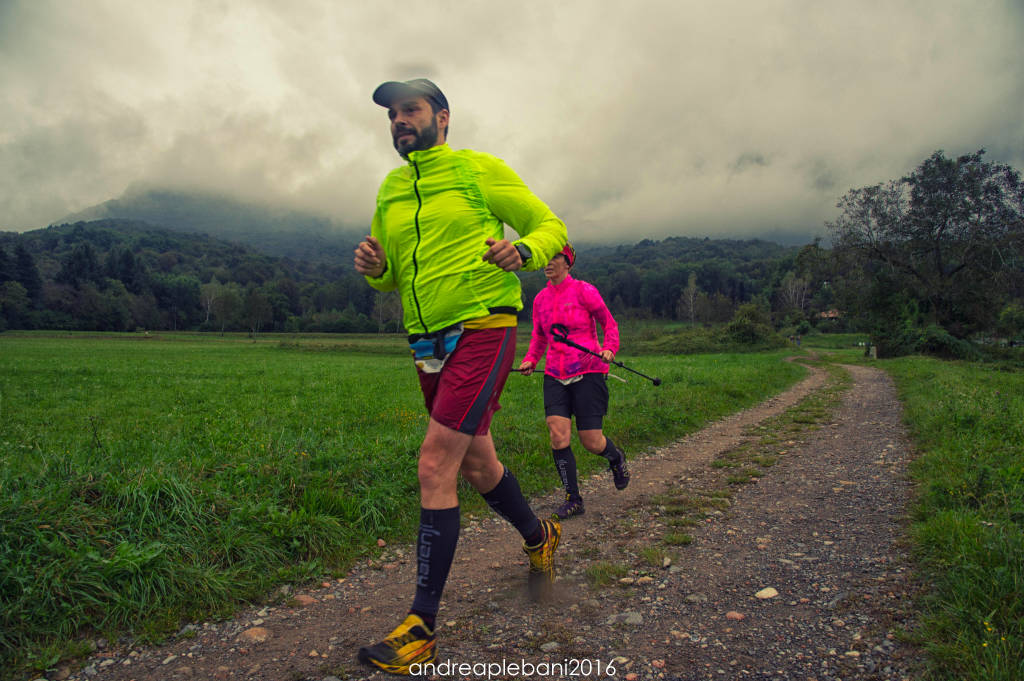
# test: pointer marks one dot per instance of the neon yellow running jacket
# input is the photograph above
(433, 218)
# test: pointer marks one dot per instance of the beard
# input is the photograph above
(422, 139)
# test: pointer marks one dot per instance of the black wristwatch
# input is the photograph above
(524, 252)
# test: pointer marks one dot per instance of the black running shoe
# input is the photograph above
(620, 472)
(572, 506)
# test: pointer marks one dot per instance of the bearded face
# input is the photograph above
(414, 125)
(407, 138)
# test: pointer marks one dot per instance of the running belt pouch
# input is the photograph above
(431, 350)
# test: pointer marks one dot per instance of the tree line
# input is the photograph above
(922, 263)
(120, 275)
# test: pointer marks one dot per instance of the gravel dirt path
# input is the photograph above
(765, 546)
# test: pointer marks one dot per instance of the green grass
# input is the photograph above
(602, 573)
(677, 539)
(968, 529)
(653, 556)
(148, 480)
(834, 341)
(743, 477)
(843, 348)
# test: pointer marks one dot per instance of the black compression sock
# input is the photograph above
(565, 463)
(435, 549)
(611, 452)
(429, 619)
(537, 536)
(506, 499)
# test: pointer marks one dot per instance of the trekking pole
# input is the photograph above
(561, 334)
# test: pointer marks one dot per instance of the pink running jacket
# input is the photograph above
(577, 305)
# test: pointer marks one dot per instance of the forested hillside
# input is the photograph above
(269, 229)
(651, 277)
(118, 275)
(122, 275)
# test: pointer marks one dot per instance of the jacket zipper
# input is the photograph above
(415, 262)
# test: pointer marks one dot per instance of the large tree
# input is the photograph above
(943, 245)
(227, 306)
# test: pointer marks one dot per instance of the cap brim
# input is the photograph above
(388, 92)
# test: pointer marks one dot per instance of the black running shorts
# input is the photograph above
(586, 399)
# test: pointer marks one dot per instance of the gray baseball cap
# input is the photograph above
(386, 93)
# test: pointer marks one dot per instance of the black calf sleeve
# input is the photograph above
(435, 549)
(565, 463)
(611, 452)
(506, 499)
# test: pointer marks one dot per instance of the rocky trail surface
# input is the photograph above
(765, 546)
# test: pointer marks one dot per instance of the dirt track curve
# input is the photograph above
(821, 527)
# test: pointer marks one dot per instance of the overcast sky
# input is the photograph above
(630, 119)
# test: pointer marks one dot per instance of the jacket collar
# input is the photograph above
(424, 156)
(565, 281)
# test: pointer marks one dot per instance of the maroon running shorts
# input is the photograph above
(464, 394)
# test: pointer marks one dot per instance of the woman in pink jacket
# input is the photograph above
(575, 383)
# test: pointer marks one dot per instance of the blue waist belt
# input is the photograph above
(431, 350)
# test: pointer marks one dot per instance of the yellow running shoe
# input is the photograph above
(412, 642)
(542, 563)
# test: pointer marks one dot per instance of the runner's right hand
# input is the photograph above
(369, 258)
(526, 368)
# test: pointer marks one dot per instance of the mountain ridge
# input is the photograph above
(289, 232)
(271, 229)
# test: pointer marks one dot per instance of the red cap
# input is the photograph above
(570, 254)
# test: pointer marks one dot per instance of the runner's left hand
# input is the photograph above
(503, 254)
(607, 356)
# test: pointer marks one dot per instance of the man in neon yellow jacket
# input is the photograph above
(438, 237)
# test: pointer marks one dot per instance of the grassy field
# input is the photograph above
(853, 342)
(144, 480)
(968, 530)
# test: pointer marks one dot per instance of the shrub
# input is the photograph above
(935, 340)
(909, 339)
(750, 326)
(1011, 321)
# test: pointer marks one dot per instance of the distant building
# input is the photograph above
(830, 314)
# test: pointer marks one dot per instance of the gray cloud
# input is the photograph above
(651, 119)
